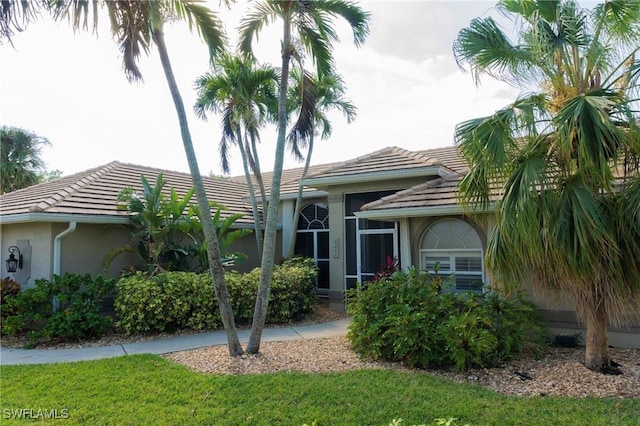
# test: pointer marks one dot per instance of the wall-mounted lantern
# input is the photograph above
(13, 263)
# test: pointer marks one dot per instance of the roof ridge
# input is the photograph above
(88, 177)
(420, 156)
(355, 160)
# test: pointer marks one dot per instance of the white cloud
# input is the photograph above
(71, 89)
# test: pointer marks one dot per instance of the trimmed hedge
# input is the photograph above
(186, 300)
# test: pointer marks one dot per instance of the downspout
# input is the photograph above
(57, 246)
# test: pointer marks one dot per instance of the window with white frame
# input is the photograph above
(455, 247)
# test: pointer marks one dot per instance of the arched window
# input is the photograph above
(455, 247)
(312, 240)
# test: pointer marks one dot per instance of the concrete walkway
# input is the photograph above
(10, 356)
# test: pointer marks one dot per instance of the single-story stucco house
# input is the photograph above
(356, 213)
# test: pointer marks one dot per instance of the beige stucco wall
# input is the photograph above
(37, 263)
(83, 250)
(247, 245)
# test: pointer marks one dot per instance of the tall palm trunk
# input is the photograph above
(298, 209)
(257, 227)
(597, 356)
(258, 173)
(213, 246)
(269, 251)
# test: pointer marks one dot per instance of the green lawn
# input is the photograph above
(148, 389)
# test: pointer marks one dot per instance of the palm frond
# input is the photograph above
(260, 15)
(351, 12)
(486, 49)
(15, 15)
(206, 23)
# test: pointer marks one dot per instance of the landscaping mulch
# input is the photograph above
(559, 372)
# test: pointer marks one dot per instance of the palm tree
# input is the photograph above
(245, 96)
(562, 162)
(313, 97)
(21, 162)
(136, 25)
(311, 21)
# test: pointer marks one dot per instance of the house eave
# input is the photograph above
(305, 195)
(397, 213)
(292, 196)
(377, 176)
(60, 218)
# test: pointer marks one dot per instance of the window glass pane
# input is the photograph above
(451, 234)
(351, 283)
(444, 263)
(314, 216)
(353, 202)
(374, 250)
(323, 244)
(472, 240)
(350, 246)
(468, 264)
(449, 243)
(367, 277)
(468, 283)
(304, 244)
(375, 224)
(323, 274)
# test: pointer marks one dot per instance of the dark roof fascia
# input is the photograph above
(80, 218)
(63, 218)
(292, 196)
(305, 195)
(377, 176)
(394, 214)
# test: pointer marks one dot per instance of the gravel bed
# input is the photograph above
(559, 372)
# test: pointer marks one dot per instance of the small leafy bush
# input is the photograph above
(9, 288)
(407, 318)
(184, 300)
(293, 290)
(66, 308)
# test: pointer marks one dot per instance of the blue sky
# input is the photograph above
(404, 82)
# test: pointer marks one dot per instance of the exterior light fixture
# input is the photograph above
(13, 263)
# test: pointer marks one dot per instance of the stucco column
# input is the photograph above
(405, 244)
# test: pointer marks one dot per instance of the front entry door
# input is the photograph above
(374, 247)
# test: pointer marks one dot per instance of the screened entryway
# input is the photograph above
(312, 240)
(368, 243)
(455, 247)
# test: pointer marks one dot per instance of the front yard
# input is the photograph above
(152, 390)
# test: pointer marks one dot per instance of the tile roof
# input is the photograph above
(433, 193)
(385, 160)
(93, 192)
(290, 179)
(449, 156)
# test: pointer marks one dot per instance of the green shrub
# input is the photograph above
(9, 289)
(407, 318)
(397, 319)
(183, 300)
(66, 308)
(165, 302)
(293, 290)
